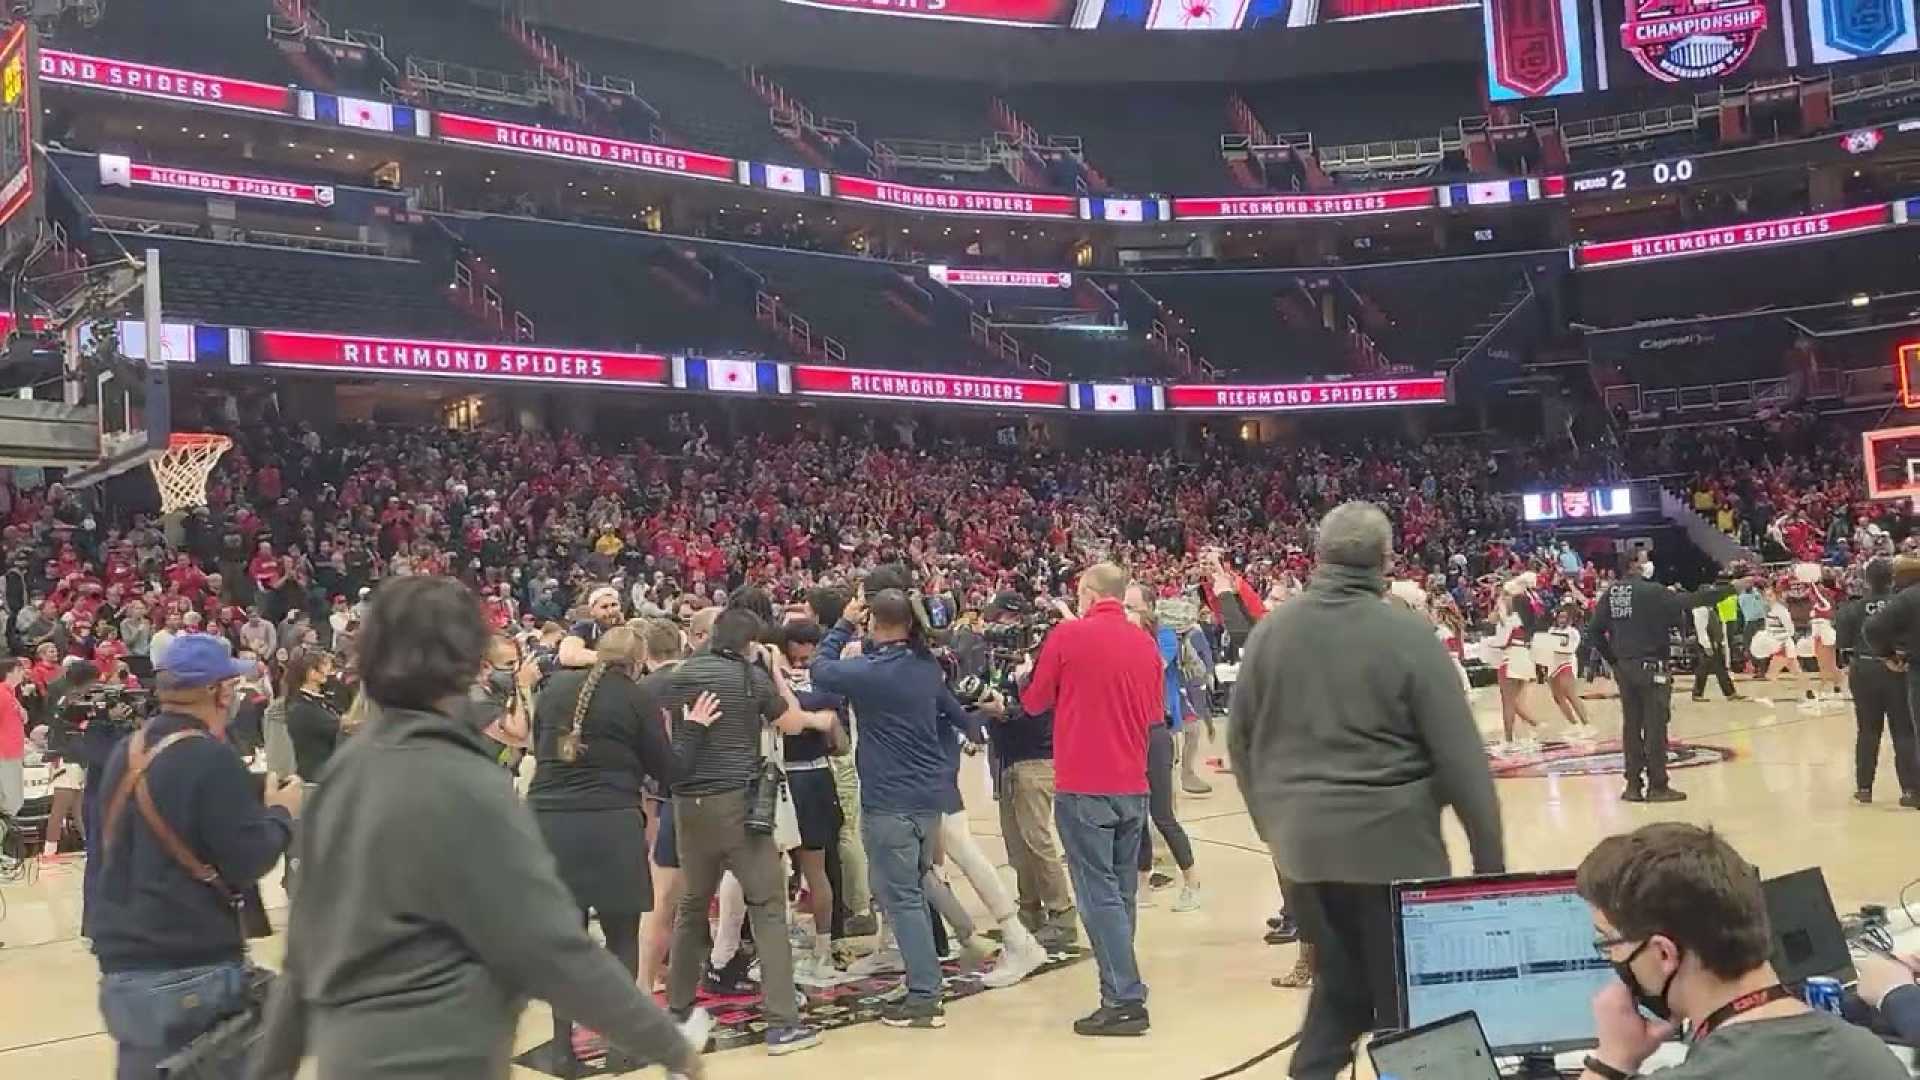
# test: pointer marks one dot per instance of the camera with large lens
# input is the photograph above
(1008, 646)
(117, 709)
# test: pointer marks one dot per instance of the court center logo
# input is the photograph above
(1558, 758)
(1684, 40)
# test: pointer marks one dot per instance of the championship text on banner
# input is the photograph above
(813, 381)
(120, 172)
(1005, 12)
(1654, 43)
(1733, 237)
(952, 201)
(1242, 207)
(1287, 397)
(1011, 279)
(573, 146)
(455, 360)
(147, 80)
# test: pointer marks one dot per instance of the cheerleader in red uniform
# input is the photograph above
(1820, 603)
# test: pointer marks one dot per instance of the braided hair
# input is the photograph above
(619, 648)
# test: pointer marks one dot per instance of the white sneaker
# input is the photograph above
(1189, 899)
(879, 962)
(976, 953)
(697, 1029)
(813, 970)
(1022, 957)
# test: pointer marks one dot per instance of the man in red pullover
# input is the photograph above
(1100, 674)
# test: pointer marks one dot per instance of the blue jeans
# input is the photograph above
(899, 853)
(1101, 835)
(153, 1015)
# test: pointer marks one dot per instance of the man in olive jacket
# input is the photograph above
(1349, 732)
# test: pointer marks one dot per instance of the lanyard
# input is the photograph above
(1745, 1003)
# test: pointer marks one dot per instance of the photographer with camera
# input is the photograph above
(719, 765)
(903, 710)
(1023, 752)
(74, 703)
(182, 835)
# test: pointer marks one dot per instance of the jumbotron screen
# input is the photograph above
(1138, 14)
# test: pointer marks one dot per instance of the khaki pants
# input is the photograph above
(711, 831)
(855, 893)
(1026, 823)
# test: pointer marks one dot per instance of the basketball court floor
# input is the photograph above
(1776, 778)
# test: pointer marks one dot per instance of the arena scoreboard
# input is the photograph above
(1641, 177)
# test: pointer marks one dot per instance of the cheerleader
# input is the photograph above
(1409, 595)
(1773, 646)
(1563, 645)
(1516, 617)
(1820, 625)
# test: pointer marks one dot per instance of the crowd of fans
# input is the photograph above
(298, 531)
(1792, 488)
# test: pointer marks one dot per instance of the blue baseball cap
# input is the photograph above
(193, 661)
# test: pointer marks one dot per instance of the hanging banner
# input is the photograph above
(118, 171)
(1657, 43)
(371, 355)
(1358, 204)
(1533, 48)
(1292, 397)
(574, 146)
(816, 381)
(148, 80)
(1755, 234)
(1843, 30)
(1016, 204)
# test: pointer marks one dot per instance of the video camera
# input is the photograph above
(1018, 639)
(119, 710)
(1009, 645)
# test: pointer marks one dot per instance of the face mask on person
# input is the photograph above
(1656, 1004)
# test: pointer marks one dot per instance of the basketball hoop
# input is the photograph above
(181, 470)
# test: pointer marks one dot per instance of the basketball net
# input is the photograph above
(181, 470)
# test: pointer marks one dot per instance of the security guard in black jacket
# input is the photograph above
(1879, 692)
(1632, 626)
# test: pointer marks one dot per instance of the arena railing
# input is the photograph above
(1859, 387)
(478, 84)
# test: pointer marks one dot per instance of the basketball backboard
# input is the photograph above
(1892, 457)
